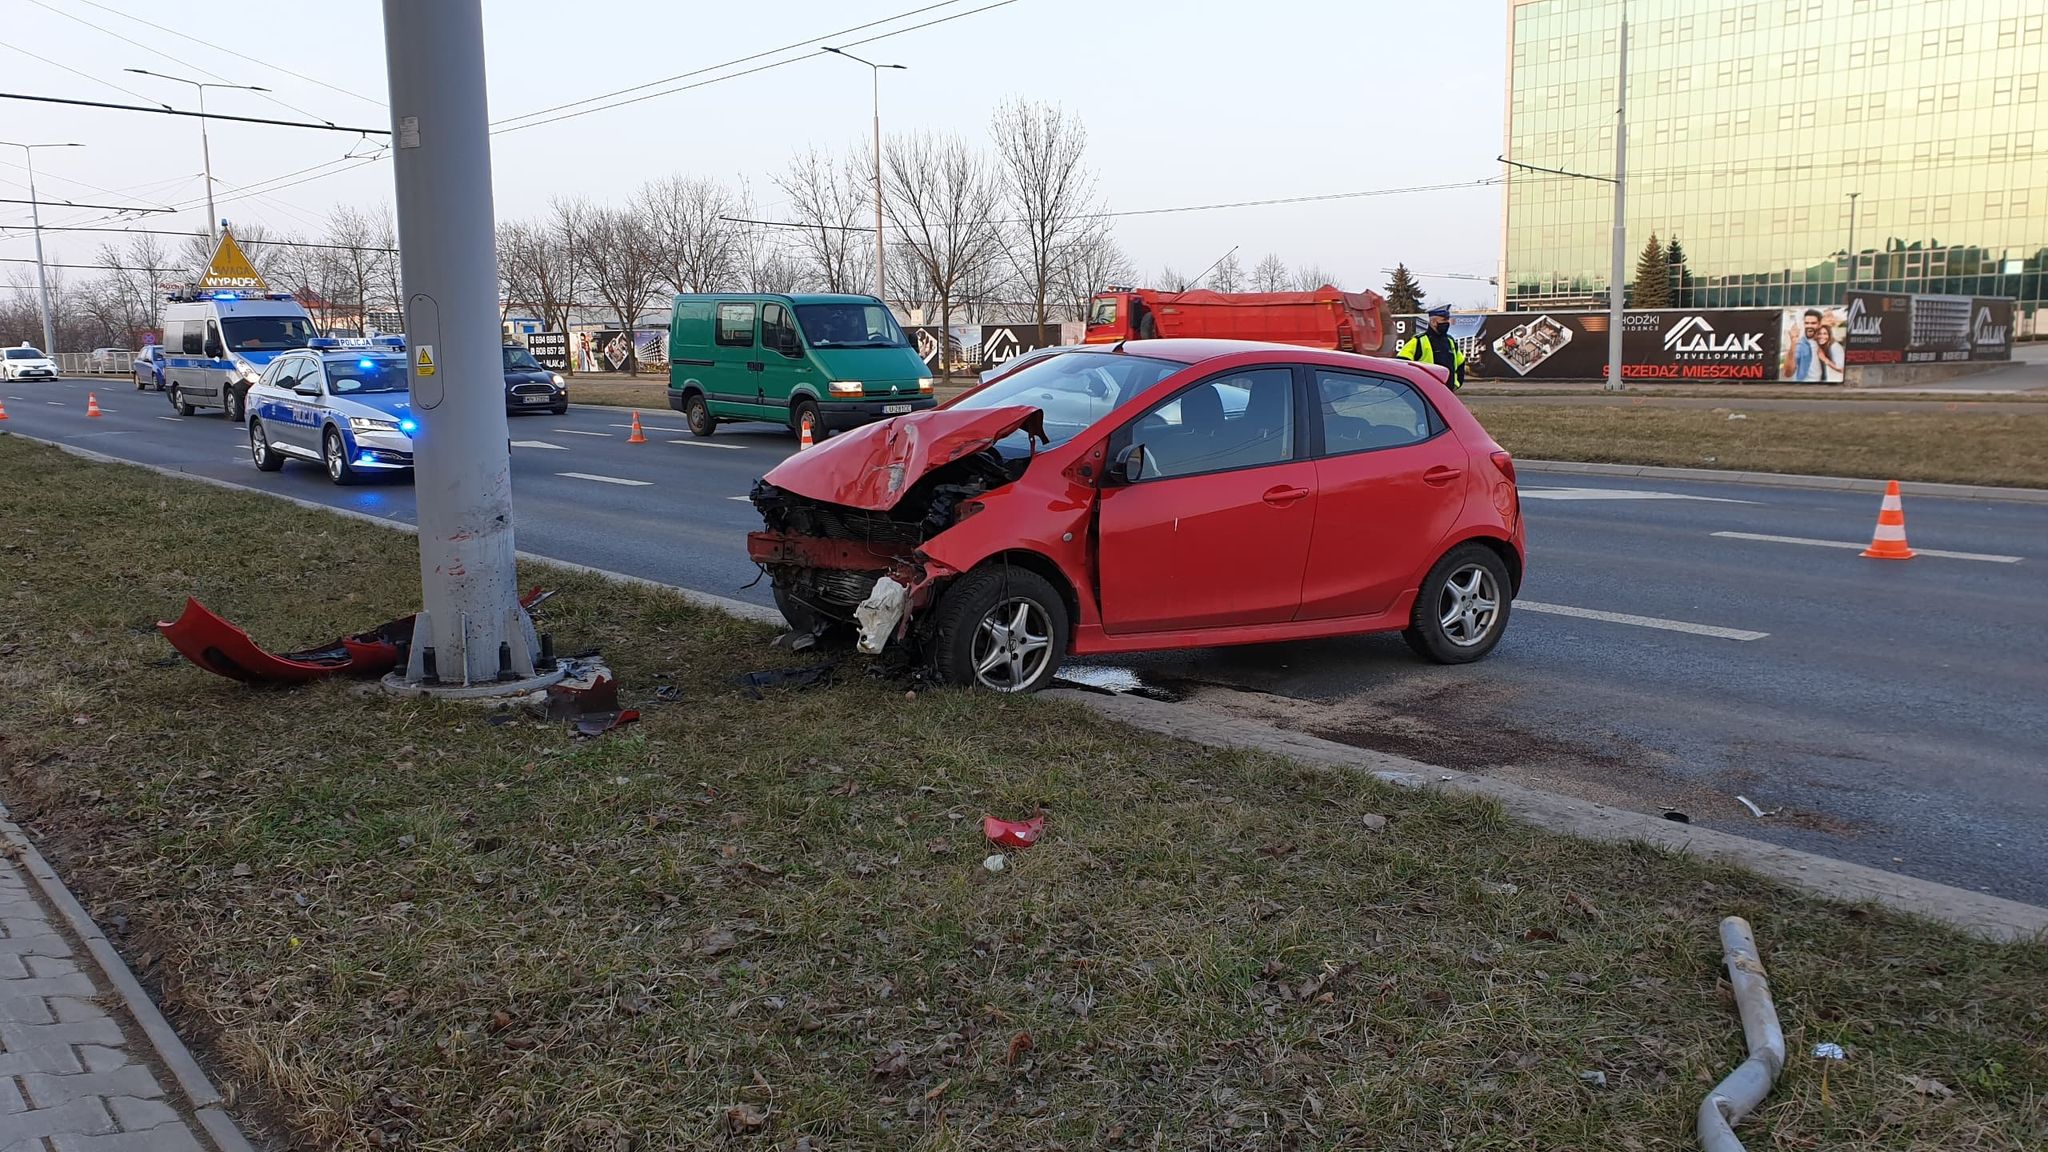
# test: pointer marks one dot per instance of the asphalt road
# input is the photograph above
(1895, 714)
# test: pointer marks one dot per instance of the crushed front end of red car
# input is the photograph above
(846, 522)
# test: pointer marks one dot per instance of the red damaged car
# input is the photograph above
(1153, 495)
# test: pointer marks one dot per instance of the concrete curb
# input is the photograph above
(1787, 480)
(1973, 912)
(205, 1099)
(739, 608)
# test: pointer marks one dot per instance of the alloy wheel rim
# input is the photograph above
(1469, 606)
(334, 457)
(1012, 645)
(257, 448)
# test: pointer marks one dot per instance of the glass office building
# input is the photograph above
(1756, 129)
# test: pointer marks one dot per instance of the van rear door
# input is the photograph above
(740, 375)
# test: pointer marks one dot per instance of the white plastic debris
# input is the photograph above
(1751, 805)
(996, 863)
(880, 613)
(1829, 1051)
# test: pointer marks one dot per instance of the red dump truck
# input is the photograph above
(1324, 318)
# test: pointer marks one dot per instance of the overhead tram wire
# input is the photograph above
(156, 50)
(238, 55)
(748, 71)
(728, 64)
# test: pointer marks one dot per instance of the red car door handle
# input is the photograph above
(1281, 495)
(1442, 474)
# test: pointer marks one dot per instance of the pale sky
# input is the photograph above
(1185, 103)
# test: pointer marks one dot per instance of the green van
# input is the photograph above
(834, 362)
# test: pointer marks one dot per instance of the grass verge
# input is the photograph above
(646, 395)
(1949, 447)
(768, 924)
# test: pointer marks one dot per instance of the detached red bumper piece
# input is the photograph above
(221, 648)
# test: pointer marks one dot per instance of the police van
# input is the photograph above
(217, 342)
(219, 335)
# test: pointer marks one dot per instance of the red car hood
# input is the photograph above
(874, 466)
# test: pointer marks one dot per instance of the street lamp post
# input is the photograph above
(1851, 277)
(881, 260)
(35, 215)
(205, 148)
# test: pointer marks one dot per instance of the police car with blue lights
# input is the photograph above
(342, 404)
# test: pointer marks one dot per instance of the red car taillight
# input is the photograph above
(1506, 464)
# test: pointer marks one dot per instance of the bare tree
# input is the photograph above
(534, 261)
(1312, 277)
(944, 203)
(701, 250)
(1271, 275)
(1228, 275)
(359, 263)
(829, 197)
(624, 260)
(133, 278)
(1172, 280)
(1097, 264)
(1050, 191)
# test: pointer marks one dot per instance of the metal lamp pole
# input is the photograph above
(205, 148)
(881, 261)
(35, 215)
(472, 638)
(1619, 272)
(1852, 239)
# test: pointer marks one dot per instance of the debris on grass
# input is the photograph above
(1013, 833)
(815, 676)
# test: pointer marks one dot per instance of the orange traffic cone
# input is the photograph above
(3, 411)
(1890, 541)
(803, 433)
(638, 437)
(92, 404)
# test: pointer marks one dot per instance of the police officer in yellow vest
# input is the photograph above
(1434, 345)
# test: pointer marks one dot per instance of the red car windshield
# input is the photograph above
(1074, 389)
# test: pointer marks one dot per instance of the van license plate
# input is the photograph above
(895, 409)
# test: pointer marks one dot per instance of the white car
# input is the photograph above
(26, 363)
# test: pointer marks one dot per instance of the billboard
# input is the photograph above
(1895, 328)
(1813, 345)
(1661, 344)
(550, 348)
(621, 350)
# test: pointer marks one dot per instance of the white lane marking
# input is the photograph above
(537, 444)
(746, 499)
(1619, 494)
(54, 403)
(709, 444)
(1641, 621)
(173, 419)
(650, 428)
(574, 432)
(607, 479)
(1987, 557)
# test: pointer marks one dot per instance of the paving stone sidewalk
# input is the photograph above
(73, 1071)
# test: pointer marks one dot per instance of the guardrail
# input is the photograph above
(115, 363)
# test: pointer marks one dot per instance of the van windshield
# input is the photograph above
(1073, 389)
(850, 325)
(265, 333)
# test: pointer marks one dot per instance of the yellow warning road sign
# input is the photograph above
(423, 360)
(230, 268)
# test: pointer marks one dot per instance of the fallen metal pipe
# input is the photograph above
(1747, 1086)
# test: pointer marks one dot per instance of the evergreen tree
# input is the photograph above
(1653, 277)
(1404, 295)
(1681, 279)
